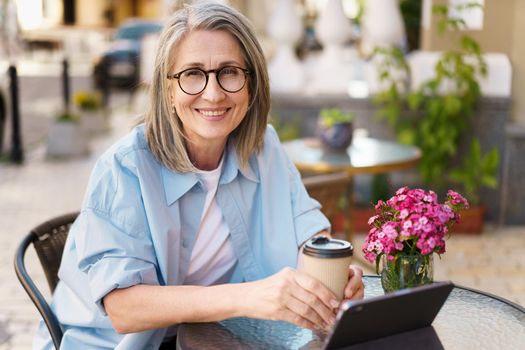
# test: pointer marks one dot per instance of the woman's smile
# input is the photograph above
(213, 114)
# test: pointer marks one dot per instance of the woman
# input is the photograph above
(196, 215)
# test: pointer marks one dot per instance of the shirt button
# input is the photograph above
(184, 243)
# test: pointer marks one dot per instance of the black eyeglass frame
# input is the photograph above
(216, 71)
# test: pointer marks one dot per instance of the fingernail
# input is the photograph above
(334, 303)
(332, 321)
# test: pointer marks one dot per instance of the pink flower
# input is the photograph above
(455, 198)
(402, 190)
(412, 220)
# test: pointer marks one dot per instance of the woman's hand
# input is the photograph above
(292, 296)
(355, 288)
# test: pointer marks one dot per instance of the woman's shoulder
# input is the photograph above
(272, 153)
(119, 169)
(271, 139)
(129, 149)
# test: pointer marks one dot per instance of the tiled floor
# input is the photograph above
(41, 189)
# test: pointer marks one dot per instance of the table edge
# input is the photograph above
(477, 291)
(369, 169)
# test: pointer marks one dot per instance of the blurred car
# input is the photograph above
(119, 65)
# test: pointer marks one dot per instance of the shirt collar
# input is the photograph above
(177, 184)
(232, 166)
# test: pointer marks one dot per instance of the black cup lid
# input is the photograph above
(324, 247)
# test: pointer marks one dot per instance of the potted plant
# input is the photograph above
(441, 108)
(405, 233)
(92, 116)
(335, 129)
(66, 137)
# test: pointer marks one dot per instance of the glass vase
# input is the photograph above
(407, 271)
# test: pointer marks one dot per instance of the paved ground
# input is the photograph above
(29, 194)
(41, 189)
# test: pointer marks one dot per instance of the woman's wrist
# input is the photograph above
(228, 301)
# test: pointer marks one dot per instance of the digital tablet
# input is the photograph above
(405, 310)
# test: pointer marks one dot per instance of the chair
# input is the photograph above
(329, 189)
(48, 240)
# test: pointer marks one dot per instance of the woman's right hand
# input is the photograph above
(292, 296)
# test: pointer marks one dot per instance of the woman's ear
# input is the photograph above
(172, 100)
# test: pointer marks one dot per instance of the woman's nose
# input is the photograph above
(213, 91)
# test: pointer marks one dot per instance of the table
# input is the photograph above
(364, 156)
(469, 319)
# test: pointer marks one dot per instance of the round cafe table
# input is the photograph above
(469, 319)
(364, 156)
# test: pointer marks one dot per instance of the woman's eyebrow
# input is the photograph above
(192, 65)
(202, 66)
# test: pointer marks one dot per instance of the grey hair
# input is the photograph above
(164, 133)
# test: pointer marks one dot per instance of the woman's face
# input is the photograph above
(210, 116)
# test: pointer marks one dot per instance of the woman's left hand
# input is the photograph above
(355, 288)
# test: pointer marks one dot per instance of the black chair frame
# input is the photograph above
(37, 237)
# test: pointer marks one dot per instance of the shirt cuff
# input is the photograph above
(111, 273)
(308, 224)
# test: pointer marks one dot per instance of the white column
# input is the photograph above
(285, 28)
(382, 25)
(333, 71)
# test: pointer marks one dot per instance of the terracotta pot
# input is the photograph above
(471, 222)
(360, 218)
(338, 222)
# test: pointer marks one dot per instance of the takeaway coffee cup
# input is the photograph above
(327, 260)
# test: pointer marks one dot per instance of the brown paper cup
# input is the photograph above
(328, 260)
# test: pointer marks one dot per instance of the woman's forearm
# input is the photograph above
(144, 307)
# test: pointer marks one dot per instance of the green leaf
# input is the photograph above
(489, 181)
(407, 136)
(415, 100)
(491, 159)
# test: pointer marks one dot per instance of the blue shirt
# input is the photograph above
(139, 222)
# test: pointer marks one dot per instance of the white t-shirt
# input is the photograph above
(212, 259)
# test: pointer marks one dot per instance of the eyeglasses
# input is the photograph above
(193, 81)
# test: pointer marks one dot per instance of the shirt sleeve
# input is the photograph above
(308, 218)
(111, 236)
(307, 215)
(111, 257)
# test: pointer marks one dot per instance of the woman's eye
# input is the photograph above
(192, 73)
(229, 71)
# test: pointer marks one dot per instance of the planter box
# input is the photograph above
(472, 221)
(66, 139)
(93, 122)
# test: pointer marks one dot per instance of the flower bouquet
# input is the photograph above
(406, 230)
